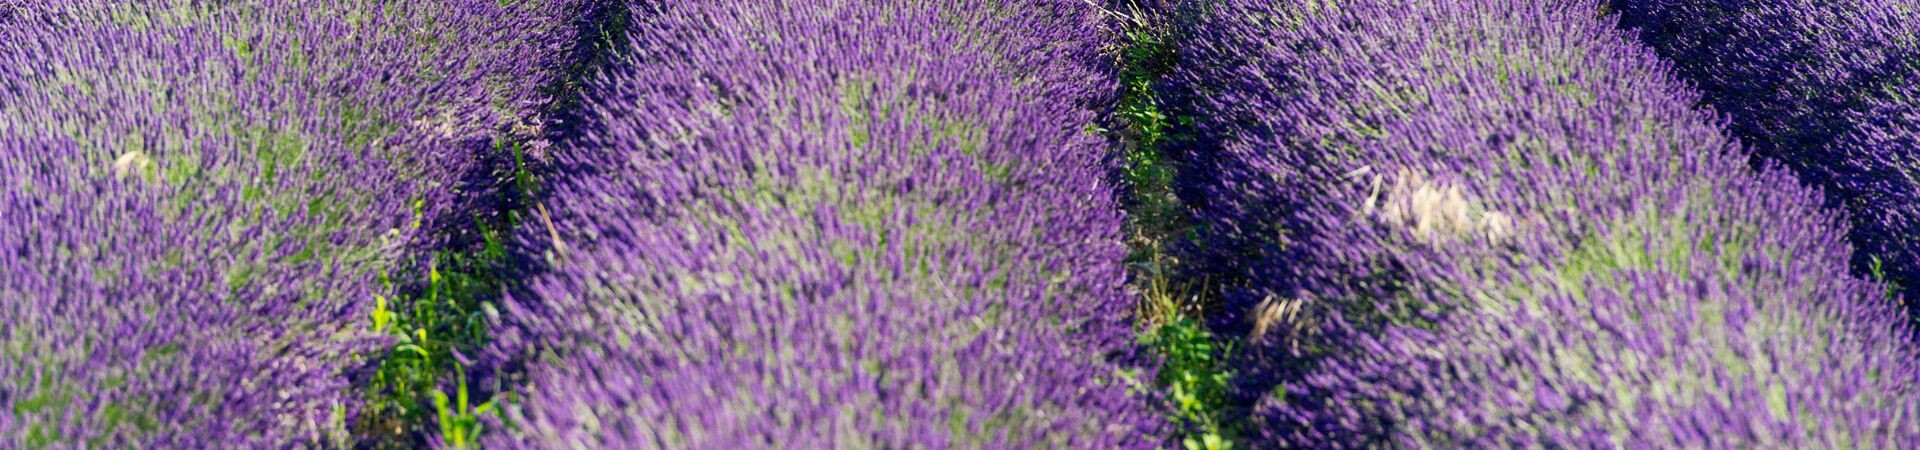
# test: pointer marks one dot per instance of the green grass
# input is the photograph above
(1194, 378)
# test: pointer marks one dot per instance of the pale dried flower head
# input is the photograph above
(1434, 211)
(136, 162)
(1279, 315)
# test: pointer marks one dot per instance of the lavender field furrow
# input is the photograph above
(861, 226)
(983, 224)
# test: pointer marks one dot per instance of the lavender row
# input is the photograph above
(202, 199)
(1501, 223)
(1824, 87)
(828, 224)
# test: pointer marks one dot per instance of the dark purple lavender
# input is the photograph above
(831, 224)
(1877, 165)
(1796, 78)
(202, 197)
(1499, 223)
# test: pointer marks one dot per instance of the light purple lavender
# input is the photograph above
(201, 197)
(1815, 85)
(832, 224)
(8, 9)
(135, 321)
(1500, 223)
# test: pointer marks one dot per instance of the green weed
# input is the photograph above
(448, 316)
(1194, 376)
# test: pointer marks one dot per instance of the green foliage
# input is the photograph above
(409, 390)
(409, 394)
(1194, 376)
(1148, 172)
(421, 388)
(1147, 58)
(460, 421)
(1196, 379)
(1877, 269)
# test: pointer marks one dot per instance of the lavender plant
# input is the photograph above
(834, 224)
(208, 193)
(1815, 86)
(1501, 223)
(7, 11)
(133, 322)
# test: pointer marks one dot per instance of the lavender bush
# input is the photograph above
(828, 224)
(1815, 85)
(134, 322)
(1499, 223)
(202, 198)
(894, 223)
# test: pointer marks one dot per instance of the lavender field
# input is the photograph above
(992, 224)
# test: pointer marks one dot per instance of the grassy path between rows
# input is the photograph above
(1195, 376)
(424, 389)
(427, 389)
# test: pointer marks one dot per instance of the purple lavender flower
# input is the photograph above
(1495, 223)
(1816, 86)
(827, 224)
(201, 199)
(136, 318)
(1876, 164)
(8, 10)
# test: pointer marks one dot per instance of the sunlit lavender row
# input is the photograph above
(204, 198)
(835, 224)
